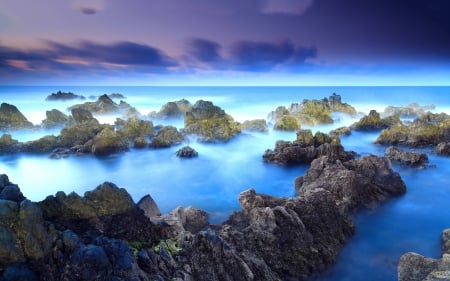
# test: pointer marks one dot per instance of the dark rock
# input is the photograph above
(373, 122)
(8, 144)
(18, 272)
(257, 125)
(12, 118)
(90, 262)
(408, 158)
(306, 148)
(363, 182)
(196, 219)
(11, 192)
(443, 148)
(55, 118)
(187, 152)
(140, 142)
(148, 205)
(108, 142)
(63, 96)
(44, 144)
(103, 105)
(81, 133)
(166, 137)
(210, 122)
(116, 96)
(342, 131)
(81, 115)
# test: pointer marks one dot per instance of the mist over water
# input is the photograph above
(213, 180)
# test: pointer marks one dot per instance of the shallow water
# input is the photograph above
(213, 181)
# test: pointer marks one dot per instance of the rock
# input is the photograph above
(341, 131)
(103, 105)
(443, 148)
(172, 110)
(108, 142)
(196, 219)
(8, 144)
(166, 137)
(412, 110)
(55, 118)
(413, 159)
(257, 125)
(140, 142)
(210, 122)
(81, 115)
(80, 133)
(44, 144)
(279, 112)
(106, 199)
(11, 192)
(18, 272)
(116, 96)
(63, 96)
(287, 123)
(306, 148)
(429, 130)
(373, 122)
(187, 152)
(134, 127)
(148, 205)
(364, 182)
(12, 118)
(90, 262)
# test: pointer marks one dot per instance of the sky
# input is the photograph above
(225, 42)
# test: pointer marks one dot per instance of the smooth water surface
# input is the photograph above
(213, 181)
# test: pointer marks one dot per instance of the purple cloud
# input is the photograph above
(285, 6)
(204, 50)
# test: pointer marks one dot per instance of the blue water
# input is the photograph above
(213, 181)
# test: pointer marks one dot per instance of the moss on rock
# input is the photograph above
(166, 137)
(258, 125)
(287, 123)
(109, 141)
(12, 118)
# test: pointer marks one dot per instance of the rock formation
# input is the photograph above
(12, 118)
(104, 105)
(187, 152)
(257, 125)
(172, 110)
(374, 122)
(63, 96)
(407, 158)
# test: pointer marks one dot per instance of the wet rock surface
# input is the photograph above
(187, 152)
(63, 96)
(407, 158)
(374, 122)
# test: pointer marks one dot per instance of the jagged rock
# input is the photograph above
(407, 158)
(166, 137)
(103, 105)
(415, 267)
(210, 122)
(172, 110)
(306, 148)
(187, 152)
(430, 129)
(55, 118)
(287, 123)
(12, 118)
(108, 141)
(63, 96)
(363, 182)
(106, 199)
(148, 205)
(373, 122)
(257, 125)
(443, 148)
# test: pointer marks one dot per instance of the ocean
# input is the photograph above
(213, 180)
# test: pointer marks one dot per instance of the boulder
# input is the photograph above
(172, 110)
(187, 152)
(81, 115)
(407, 158)
(103, 105)
(63, 96)
(8, 144)
(148, 205)
(415, 267)
(256, 125)
(166, 137)
(135, 127)
(287, 123)
(341, 131)
(443, 148)
(364, 182)
(41, 145)
(374, 122)
(140, 142)
(55, 118)
(80, 133)
(12, 118)
(306, 148)
(210, 122)
(108, 142)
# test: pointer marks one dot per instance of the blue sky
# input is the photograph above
(233, 42)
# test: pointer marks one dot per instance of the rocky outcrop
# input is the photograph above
(313, 112)
(415, 267)
(363, 182)
(407, 158)
(210, 122)
(104, 105)
(341, 131)
(429, 130)
(306, 148)
(8, 144)
(412, 110)
(135, 127)
(63, 96)
(108, 142)
(55, 118)
(166, 137)
(443, 148)
(187, 152)
(256, 125)
(172, 110)
(374, 122)
(12, 118)
(287, 123)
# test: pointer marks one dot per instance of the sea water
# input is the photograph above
(213, 180)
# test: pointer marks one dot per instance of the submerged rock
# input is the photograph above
(363, 182)
(210, 122)
(415, 267)
(187, 152)
(63, 96)
(12, 118)
(306, 148)
(407, 158)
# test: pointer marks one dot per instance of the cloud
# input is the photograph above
(296, 7)
(263, 56)
(89, 7)
(204, 50)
